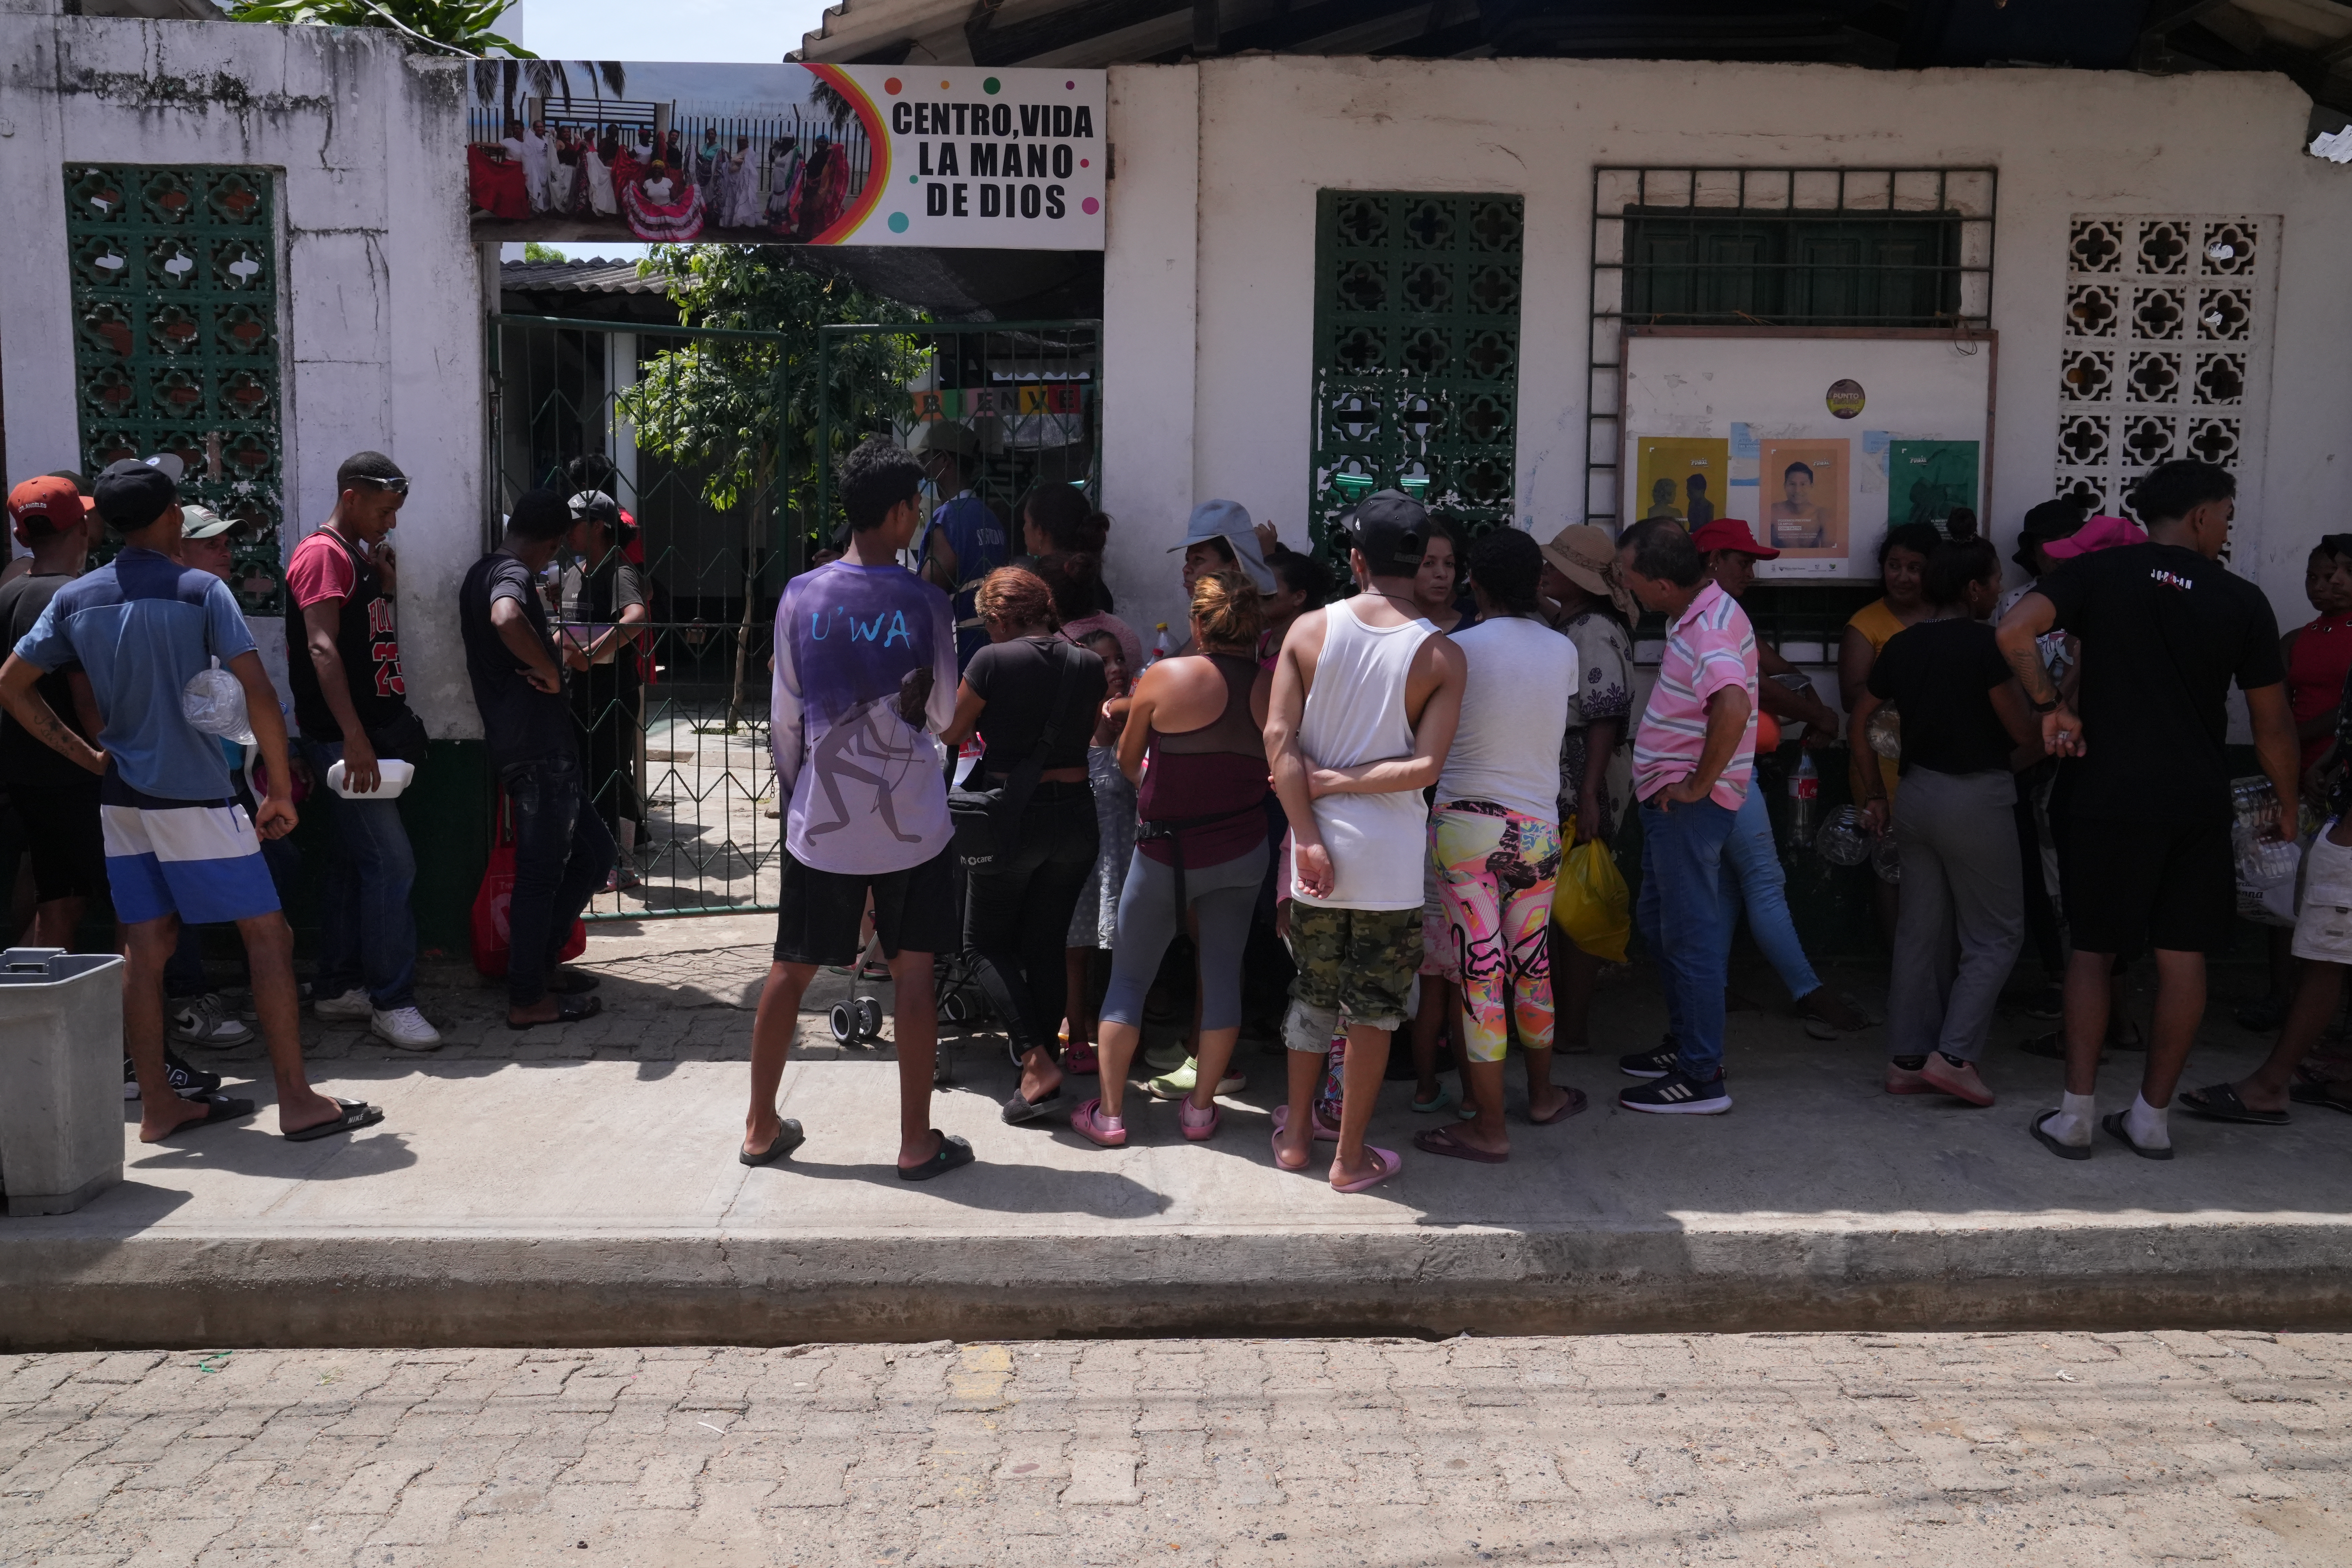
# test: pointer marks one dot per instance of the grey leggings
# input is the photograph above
(1223, 896)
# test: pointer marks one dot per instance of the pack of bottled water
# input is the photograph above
(2266, 863)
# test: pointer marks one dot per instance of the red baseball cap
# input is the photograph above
(1729, 533)
(45, 506)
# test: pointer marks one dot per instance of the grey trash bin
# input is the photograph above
(60, 1077)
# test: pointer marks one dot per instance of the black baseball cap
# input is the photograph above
(130, 495)
(1390, 528)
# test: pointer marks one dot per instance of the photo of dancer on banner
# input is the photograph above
(785, 154)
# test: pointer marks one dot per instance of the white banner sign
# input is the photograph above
(789, 154)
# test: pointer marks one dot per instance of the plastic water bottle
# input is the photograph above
(1804, 796)
(1161, 646)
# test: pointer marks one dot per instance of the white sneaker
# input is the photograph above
(206, 1021)
(404, 1027)
(351, 1004)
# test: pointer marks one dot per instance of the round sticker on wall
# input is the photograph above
(1844, 398)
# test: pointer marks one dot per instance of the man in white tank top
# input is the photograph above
(1366, 697)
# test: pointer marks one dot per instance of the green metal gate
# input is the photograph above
(677, 743)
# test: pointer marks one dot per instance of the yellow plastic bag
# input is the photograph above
(1589, 902)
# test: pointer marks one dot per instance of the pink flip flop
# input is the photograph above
(1281, 1121)
(1086, 1120)
(1198, 1131)
(1389, 1165)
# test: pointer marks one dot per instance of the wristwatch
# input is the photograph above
(2050, 707)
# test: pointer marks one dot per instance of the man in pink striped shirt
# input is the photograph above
(1693, 758)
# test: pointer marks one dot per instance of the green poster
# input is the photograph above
(1926, 480)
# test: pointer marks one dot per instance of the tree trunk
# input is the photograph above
(750, 597)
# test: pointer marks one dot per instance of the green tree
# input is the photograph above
(534, 251)
(461, 27)
(750, 412)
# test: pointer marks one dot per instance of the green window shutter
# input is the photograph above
(175, 341)
(1417, 350)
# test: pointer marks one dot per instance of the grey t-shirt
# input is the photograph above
(521, 723)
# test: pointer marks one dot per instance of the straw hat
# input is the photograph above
(1587, 556)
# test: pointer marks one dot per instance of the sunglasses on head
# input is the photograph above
(398, 486)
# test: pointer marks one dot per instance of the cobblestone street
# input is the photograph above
(2061, 1449)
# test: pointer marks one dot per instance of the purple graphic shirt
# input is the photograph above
(867, 793)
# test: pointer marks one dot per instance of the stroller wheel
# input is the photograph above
(843, 1024)
(869, 1017)
(952, 1007)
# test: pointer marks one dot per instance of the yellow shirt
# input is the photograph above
(1877, 621)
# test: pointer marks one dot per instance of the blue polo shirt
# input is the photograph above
(979, 545)
(142, 627)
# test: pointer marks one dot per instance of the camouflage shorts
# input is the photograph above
(1357, 962)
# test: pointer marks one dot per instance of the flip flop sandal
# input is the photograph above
(568, 1010)
(1281, 1121)
(1018, 1110)
(1199, 1131)
(1575, 1103)
(1087, 1122)
(220, 1110)
(2221, 1102)
(952, 1151)
(569, 981)
(1440, 1141)
(2113, 1125)
(357, 1113)
(1445, 1099)
(2318, 1094)
(1387, 1162)
(2063, 1150)
(788, 1137)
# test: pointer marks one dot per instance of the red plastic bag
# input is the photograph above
(492, 942)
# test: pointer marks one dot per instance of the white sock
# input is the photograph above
(1110, 1124)
(2149, 1127)
(2070, 1124)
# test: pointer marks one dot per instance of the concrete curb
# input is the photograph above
(617, 1289)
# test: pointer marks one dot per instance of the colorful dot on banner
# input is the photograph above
(914, 179)
(1088, 207)
(898, 223)
(990, 85)
(1083, 163)
(1071, 86)
(943, 86)
(892, 86)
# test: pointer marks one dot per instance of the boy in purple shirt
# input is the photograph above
(864, 677)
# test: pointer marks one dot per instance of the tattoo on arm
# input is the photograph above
(2031, 672)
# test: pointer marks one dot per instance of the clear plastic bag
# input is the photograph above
(1886, 859)
(1844, 838)
(1884, 733)
(214, 701)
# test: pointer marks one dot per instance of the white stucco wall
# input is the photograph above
(1271, 131)
(379, 304)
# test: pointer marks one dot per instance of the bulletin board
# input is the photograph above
(1819, 439)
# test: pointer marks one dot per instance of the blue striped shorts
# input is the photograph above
(198, 859)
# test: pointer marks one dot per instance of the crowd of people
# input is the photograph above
(986, 776)
(1387, 783)
(663, 186)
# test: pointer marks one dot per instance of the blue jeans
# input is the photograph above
(562, 854)
(367, 933)
(1682, 894)
(1752, 875)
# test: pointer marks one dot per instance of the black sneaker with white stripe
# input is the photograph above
(186, 1077)
(1676, 1094)
(1650, 1064)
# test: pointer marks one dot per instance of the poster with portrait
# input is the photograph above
(1680, 477)
(785, 154)
(1804, 500)
(1926, 480)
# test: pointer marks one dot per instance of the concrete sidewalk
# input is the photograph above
(580, 1186)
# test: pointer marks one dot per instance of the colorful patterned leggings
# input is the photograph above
(1495, 870)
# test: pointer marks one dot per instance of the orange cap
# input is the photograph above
(48, 505)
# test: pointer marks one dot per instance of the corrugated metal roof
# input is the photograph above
(594, 276)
